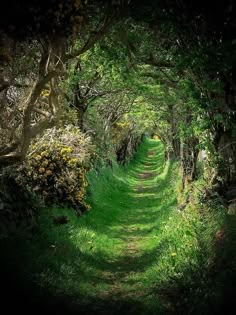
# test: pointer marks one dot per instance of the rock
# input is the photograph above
(232, 209)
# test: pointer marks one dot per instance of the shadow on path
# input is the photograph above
(115, 284)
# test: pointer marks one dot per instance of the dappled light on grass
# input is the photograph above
(128, 250)
(106, 253)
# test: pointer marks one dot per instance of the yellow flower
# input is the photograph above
(41, 170)
(45, 163)
(37, 157)
(45, 93)
(51, 165)
(44, 153)
(72, 162)
(173, 254)
(66, 150)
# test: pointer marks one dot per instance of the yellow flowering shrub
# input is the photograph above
(57, 164)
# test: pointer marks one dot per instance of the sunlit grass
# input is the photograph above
(133, 245)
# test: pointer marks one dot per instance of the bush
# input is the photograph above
(57, 164)
(16, 209)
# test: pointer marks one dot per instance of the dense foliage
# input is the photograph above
(56, 167)
(82, 83)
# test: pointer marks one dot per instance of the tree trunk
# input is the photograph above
(176, 147)
(81, 110)
(189, 154)
(225, 145)
(122, 151)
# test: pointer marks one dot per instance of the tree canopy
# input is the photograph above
(170, 61)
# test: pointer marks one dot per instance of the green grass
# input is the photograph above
(133, 252)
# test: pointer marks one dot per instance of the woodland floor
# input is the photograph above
(105, 262)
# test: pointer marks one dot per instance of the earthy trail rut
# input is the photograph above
(123, 286)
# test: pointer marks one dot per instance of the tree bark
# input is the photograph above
(189, 154)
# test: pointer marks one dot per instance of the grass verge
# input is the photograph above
(132, 253)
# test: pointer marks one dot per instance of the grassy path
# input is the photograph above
(133, 232)
(119, 239)
(110, 260)
(133, 253)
